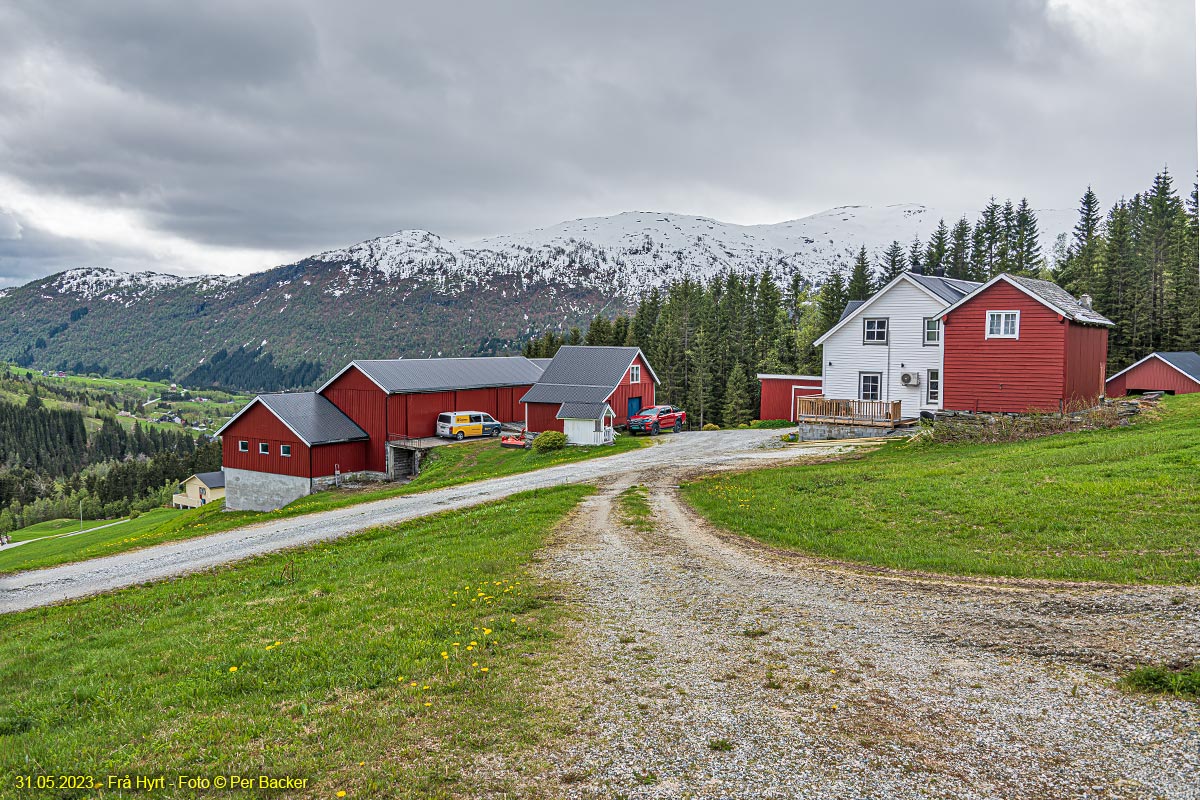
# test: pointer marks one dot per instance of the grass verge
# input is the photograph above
(396, 662)
(451, 465)
(102, 538)
(1119, 505)
(1162, 680)
(634, 507)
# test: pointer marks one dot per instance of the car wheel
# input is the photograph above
(678, 426)
(654, 429)
(459, 436)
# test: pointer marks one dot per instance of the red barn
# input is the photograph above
(1173, 373)
(593, 376)
(1019, 344)
(401, 398)
(280, 447)
(777, 398)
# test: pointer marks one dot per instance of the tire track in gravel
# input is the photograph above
(826, 680)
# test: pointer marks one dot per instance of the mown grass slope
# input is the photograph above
(1119, 505)
(400, 662)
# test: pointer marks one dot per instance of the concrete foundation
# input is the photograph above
(247, 490)
(329, 481)
(818, 432)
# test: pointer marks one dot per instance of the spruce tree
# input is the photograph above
(935, 251)
(915, 255)
(737, 409)
(893, 264)
(859, 287)
(958, 252)
(1026, 247)
(832, 300)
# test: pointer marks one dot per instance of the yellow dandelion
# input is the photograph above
(424, 687)
(341, 794)
(473, 642)
(414, 683)
(277, 644)
(483, 669)
(487, 631)
(474, 663)
(429, 704)
(514, 619)
(233, 669)
(445, 654)
(361, 763)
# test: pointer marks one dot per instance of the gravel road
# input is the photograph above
(706, 666)
(55, 584)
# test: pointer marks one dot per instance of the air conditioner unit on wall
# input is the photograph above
(910, 378)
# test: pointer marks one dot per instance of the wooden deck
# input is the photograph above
(865, 413)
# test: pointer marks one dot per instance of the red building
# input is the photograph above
(778, 393)
(1020, 344)
(401, 398)
(1173, 373)
(590, 377)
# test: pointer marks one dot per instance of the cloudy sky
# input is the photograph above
(233, 136)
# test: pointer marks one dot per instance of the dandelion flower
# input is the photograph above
(361, 763)
(233, 669)
(424, 687)
(514, 619)
(487, 631)
(483, 669)
(341, 794)
(429, 704)
(474, 663)
(276, 644)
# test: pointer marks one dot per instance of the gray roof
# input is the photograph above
(851, 307)
(581, 410)
(583, 374)
(542, 362)
(313, 418)
(949, 289)
(396, 375)
(213, 480)
(1061, 299)
(1185, 361)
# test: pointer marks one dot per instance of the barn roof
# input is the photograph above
(403, 375)
(584, 374)
(1048, 294)
(583, 410)
(310, 416)
(213, 480)
(1184, 361)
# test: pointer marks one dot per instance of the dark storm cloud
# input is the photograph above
(292, 127)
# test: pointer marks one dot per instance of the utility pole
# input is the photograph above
(80, 515)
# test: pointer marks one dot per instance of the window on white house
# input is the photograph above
(870, 385)
(635, 373)
(264, 449)
(285, 450)
(933, 386)
(1003, 324)
(933, 330)
(875, 331)
(243, 446)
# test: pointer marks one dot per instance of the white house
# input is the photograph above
(889, 347)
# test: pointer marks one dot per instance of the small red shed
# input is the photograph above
(1020, 344)
(618, 376)
(401, 398)
(1173, 373)
(777, 398)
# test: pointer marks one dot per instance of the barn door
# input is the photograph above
(634, 406)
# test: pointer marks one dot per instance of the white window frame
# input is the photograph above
(933, 386)
(887, 330)
(937, 339)
(635, 373)
(1016, 334)
(879, 386)
(243, 446)
(285, 450)
(264, 449)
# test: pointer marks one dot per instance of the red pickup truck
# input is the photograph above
(654, 419)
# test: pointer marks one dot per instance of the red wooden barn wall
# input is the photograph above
(1085, 362)
(619, 399)
(1152, 376)
(542, 417)
(416, 414)
(260, 425)
(776, 398)
(360, 399)
(347, 456)
(1015, 375)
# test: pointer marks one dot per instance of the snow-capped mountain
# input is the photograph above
(413, 293)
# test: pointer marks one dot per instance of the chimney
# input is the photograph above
(1085, 300)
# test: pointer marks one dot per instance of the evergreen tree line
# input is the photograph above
(252, 370)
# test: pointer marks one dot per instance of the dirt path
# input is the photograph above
(827, 681)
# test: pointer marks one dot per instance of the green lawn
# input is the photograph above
(104, 541)
(1119, 505)
(54, 527)
(349, 663)
(450, 465)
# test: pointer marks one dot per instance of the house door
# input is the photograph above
(635, 405)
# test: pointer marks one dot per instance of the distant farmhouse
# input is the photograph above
(1173, 373)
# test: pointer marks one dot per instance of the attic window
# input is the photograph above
(264, 449)
(635, 373)
(875, 331)
(1003, 324)
(243, 446)
(285, 450)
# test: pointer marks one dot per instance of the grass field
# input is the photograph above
(451, 465)
(54, 527)
(97, 541)
(1120, 505)
(396, 662)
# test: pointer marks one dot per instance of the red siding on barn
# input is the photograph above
(1013, 375)
(346, 456)
(360, 399)
(258, 425)
(619, 399)
(777, 400)
(542, 417)
(1086, 358)
(416, 414)
(1152, 375)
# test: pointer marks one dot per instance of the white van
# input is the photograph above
(461, 424)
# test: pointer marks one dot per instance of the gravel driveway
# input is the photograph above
(707, 666)
(699, 449)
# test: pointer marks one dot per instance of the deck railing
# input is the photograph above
(825, 409)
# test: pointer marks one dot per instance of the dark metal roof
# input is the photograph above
(398, 375)
(851, 307)
(583, 374)
(1058, 297)
(949, 289)
(313, 418)
(213, 480)
(1185, 361)
(542, 362)
(581, 410)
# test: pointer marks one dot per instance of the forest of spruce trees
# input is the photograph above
(708, 341)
